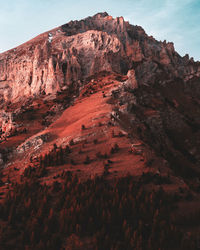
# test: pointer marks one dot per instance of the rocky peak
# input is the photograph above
(101, 14)
(70, 53)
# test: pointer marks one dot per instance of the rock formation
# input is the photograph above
(79, 49)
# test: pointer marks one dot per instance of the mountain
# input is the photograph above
(80, 49)
(97, 104)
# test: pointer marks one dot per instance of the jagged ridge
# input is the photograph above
(74, 51)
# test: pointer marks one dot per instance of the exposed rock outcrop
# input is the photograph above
(6, 123)
(79, 49)
(35, 142)
(131, 82)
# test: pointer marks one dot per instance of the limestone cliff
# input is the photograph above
(79, 49)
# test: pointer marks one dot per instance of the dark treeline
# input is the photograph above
(57, 156)
(116, 214)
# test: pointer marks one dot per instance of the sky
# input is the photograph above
(176, 21)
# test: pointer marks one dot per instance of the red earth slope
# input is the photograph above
(95, 133)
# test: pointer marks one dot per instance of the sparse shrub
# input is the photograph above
(110, 123)
(181, 190)
(109, 161)
(87, 160)
(80, 151)
(101, 156)
(121, 134)
(56, 186)
(149, 163)
(95, 141)
(55, 146)
(114, 149)
(189, 196)
(106, 169)
(105, 156)
(68, 149)
(24, 130)
(100, 124)
(129, 135)
(113, 133)
(71, 143)
(72, 162)
(28, 171)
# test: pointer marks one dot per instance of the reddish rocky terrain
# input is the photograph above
(98, 104)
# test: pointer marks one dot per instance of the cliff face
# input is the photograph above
(79, 49)
(52, 65)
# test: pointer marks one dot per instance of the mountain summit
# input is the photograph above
(79, 49)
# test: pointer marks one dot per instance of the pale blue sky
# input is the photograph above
(173, 20)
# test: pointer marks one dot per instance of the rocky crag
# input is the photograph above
(70, 53)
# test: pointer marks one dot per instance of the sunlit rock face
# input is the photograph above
(79, 49)
(131, 82)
